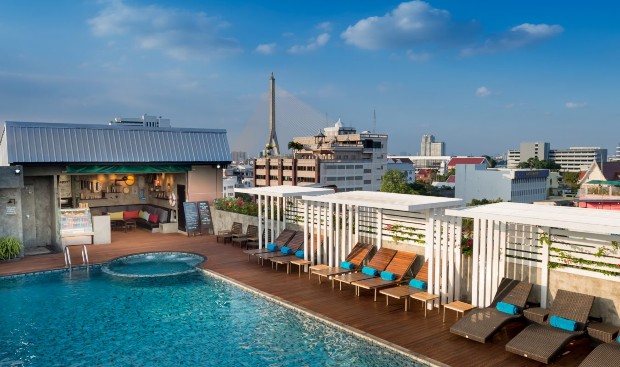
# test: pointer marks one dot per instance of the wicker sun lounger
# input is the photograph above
(542, 342)
(281, 240)
(606, 354)
(379, 261)
(296, 243)
(400, 265)
(357, 256)
(481, 324)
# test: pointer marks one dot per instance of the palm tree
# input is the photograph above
(293, 145)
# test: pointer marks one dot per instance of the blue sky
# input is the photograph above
(481, 76)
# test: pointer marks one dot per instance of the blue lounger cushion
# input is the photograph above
(286, 250)
(370, 271)
(562, 323)
(386, 275)
(300, 254)
(347, 265)
(507, 308)
(418, 284)
(272, 247)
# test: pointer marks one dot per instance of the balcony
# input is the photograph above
(599, 193)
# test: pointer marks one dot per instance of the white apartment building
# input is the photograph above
(228, 186)
(145, 120)
(476, 181)
(573, 159)
(430, 147)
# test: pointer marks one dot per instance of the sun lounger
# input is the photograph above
(280, 241)
(407, 290)
(542, 342)
(296, 243)
(356, 257)
(481, 324)
(394, 273)
(606, 354)
(286, 260)
(378, 262)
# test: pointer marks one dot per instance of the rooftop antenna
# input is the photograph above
(272, 141)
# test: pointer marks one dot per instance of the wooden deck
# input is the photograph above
(423, 336)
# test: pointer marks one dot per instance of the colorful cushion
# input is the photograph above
(562, 323)
(154, 218)
(130, 215)
(507, 308)
(418, 284)
(144, 215)
(347, 265)
(300, 254)
(370, 271)
(116, 216)
(272, 247)
(286, 250)
(386, 275)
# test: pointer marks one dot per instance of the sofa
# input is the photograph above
(146, 216)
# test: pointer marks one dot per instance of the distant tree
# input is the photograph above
(492, 162)
(535, 163)
(395, 181)
(444, 178)
(293, 145)
(571, 179)
(476, 202)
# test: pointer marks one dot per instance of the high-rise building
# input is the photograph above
(430, 147)
(338, 156)
(573, 159)
(239, 157)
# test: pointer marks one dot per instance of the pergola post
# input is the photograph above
(260, 222)
(544, 270)
(380, 228)
(337, 245)
(475, 262)
(357, 224)
(278, 221)
(330, 217)
(305, 209)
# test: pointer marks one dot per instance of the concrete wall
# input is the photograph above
(223, 220)
(11, 185)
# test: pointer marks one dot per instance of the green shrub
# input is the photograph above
(10, 247)
(237, 205)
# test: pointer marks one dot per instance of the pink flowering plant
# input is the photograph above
(467, 246)
(237, 205)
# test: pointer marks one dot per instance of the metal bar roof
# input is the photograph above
(577, 219)
(285, 191)
(385, 200)
(38, 142)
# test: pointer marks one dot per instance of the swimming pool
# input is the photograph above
(193, 319)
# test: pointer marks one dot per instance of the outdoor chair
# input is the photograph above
(251, 236)
(606, 354)
(353, 262)
(295, 244)
(227, 234)
(543, 342)
(378, 263)
(394, 273)
(481, 324)
(405, 291)
(280, 241)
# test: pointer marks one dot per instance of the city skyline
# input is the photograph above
(481, 76)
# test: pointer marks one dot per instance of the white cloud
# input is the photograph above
(177, 33)
(325, 26)
(418, 56)
(483, 92)
(519, 36)
(575, 105)
(312, 45)
(265, 48)
(411, 23)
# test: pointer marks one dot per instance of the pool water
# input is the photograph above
(93, 318)
(153, 264)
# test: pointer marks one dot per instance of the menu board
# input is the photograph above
(204, 211)
(192, 222)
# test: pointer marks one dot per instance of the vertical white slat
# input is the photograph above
(429, 249)
(457, 265)
(496, 251)
(279, 213)
(337, 243)
(330, 218)
(380, 227)
(316, 216)
(502, 249)
(307, 228)
(444, 257)
(261, 236)
(451, 241)
(345, 232)
(475, 267)
(482, 280)
(323, 208)
(272, 216)
(357, 224)
(489, 267)
(544, 279)
(437, 254)
(350, 228)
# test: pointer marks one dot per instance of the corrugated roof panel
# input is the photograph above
(29, 142)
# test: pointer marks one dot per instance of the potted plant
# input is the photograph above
(10, 248)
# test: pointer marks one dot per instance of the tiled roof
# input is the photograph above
(451, 179)
(466, 160)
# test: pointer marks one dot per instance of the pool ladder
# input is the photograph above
(68, 255)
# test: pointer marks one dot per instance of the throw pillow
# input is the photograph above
(116, 216)
(154, 218)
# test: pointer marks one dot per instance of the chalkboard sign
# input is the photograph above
(192, 222)
(206, 224)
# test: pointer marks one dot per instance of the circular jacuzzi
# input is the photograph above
(153, 264)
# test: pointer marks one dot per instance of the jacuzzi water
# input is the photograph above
(93, 318)
(153, 264)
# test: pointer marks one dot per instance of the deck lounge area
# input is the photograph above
(426, 337)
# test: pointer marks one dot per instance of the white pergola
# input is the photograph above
(338, 237)
(516, 230)
(271, 200)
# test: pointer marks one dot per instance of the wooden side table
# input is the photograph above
(224, 235)
(300, 263)
(536, 314)
(459, 307)
(602, 331)
(425, 298)
(241, 240)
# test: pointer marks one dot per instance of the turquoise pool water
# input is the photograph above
(193, 319)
